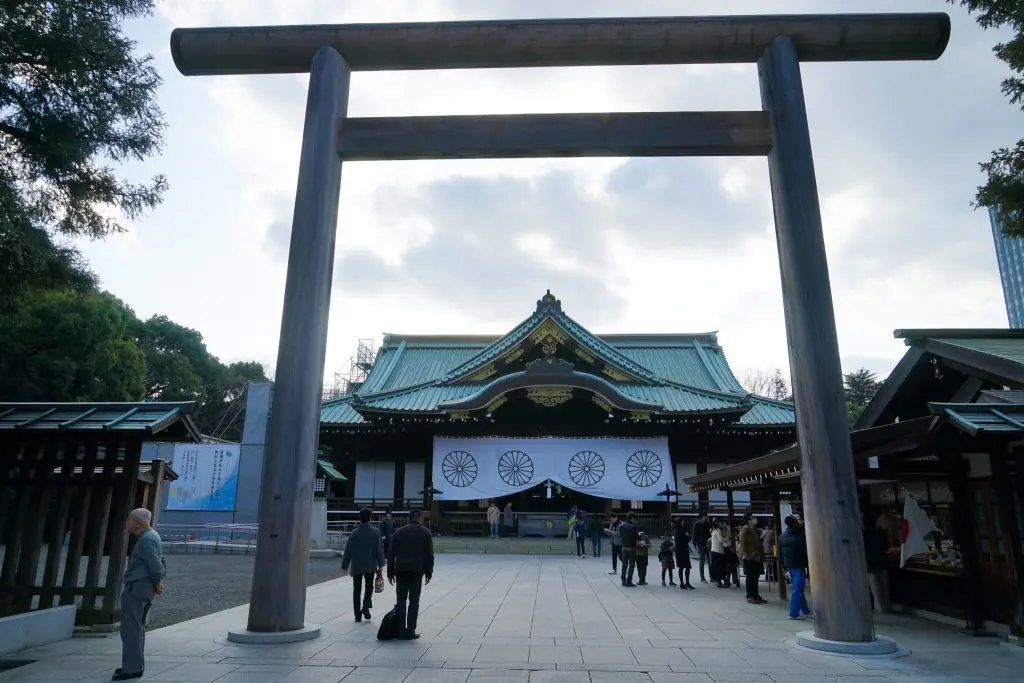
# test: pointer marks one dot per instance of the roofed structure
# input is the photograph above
(550, 357)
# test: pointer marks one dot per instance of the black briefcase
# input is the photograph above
(386, 630)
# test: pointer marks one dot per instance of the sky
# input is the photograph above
(628, 245)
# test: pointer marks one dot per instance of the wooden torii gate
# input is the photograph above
(778, 44)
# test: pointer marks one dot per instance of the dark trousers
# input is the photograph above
(641, 567)
(704, 557)
(683, 562)
(386, 542)
(752, 572)
(616, 556)
(716, 569)
(408, 586)
(581, 545)
(367, 599)
(628, 564)
(136, 599)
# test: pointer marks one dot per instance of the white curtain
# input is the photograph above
(607, 467)
(375, 480)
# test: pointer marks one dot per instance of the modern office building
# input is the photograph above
(1010, 256)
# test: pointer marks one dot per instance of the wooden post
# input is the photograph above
(963, 534)
(282, 547)
(1011, 531)
(835, 544)
(777, 523)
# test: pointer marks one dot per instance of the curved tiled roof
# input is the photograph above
(682, 373)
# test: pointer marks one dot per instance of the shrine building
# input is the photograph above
(544, 417)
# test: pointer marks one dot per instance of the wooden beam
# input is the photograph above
(654, 134)
(559, 42)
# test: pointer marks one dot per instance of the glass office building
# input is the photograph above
(1010, 256)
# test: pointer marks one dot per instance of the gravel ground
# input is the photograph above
(201, 584)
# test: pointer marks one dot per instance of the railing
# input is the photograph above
(229, 539)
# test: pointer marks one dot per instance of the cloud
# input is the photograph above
(628, 245)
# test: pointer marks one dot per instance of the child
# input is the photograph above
(643, 548)
(668, 563)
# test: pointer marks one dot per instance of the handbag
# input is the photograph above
(378, 583)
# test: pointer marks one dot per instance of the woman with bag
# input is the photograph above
(364, 557)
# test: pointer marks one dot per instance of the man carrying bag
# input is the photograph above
(410, 566)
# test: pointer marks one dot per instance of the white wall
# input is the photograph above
(739, 498)
(415, 481)
(684, 470)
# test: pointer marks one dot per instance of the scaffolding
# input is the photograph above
(348, 381)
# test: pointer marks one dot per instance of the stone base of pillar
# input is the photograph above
(879, 647)
(247, 637)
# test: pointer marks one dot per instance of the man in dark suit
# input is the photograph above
(363, 558)
(410, 566)
(628, 533)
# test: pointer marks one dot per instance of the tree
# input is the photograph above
(66, 346)
(179, 367)
(1003, 190)
(861, 386)
(768, 383)
(74, 99)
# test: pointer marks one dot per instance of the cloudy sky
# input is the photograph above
(644, 245)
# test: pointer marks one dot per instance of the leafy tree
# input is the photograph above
(181, 368)
(861, 386)
(1003, 190)
(74, 100)
(66, 346)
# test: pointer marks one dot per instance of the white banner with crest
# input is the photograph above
(496, 466)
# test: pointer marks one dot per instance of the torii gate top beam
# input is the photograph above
(559, 42)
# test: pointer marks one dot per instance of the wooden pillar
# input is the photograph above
(286, 496)
(732, 512)
(777, 524)
(963, 534)
(1011, 533)
(835, 544)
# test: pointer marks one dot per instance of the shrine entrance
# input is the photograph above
(777, 44)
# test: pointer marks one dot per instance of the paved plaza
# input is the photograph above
(492, 619)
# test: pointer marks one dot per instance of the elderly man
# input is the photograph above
(142, 580)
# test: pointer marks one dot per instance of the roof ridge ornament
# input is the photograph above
(548, 302)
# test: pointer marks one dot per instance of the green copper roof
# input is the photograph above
(678, 373)
(328, 470)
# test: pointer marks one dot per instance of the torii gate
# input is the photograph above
(776, 43)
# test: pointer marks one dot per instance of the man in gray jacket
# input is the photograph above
(142, 580)
(364, 557)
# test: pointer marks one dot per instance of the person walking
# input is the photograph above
(493, 515)
(717, 570)
(682, 549)
(628, 534)
(793, 556)
(387, 530)
(596, 533)
(666, 556)
(643, 556)
(613, 531)
(143, 579)
(363, 559)
(753, 559)
(508, 520)
(410, 566)
(701, 539)
(768, 542)
(876, 552)
(580, 532)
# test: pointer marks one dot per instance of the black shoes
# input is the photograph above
(366, 613)
(120, 675)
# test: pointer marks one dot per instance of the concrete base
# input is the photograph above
(39, 627)
(244, 635)
(879, 647)
(324, 553)
(1013, 646)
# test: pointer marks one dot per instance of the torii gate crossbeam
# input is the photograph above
(776, 43)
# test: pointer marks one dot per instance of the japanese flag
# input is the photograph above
(916, 525)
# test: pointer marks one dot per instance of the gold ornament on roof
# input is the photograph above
(549, 397)
(549, 345)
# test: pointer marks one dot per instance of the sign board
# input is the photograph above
(207, 477)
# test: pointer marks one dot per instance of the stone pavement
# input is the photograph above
(489, 619)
